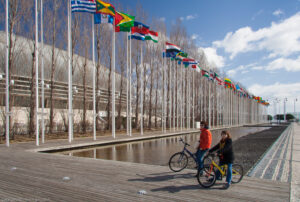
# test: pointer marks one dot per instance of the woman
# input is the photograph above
(204, 144)
(226, 156)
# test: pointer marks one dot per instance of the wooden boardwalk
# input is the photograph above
(27, 175)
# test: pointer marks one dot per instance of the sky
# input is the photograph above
(255, 42)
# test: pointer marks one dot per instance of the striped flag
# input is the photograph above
(172, 48)
(152, 36)
(138, 36)
(83, 6)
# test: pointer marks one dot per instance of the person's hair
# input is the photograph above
(205, 124)
(227, 133)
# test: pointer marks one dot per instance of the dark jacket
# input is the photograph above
(226, 152)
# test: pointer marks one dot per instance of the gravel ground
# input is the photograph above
(250, 148)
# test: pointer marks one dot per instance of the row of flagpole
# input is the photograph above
(128, 92)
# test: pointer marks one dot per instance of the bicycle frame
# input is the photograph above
(185, 150)
(221, 168)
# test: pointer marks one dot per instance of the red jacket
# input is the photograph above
(205, 139)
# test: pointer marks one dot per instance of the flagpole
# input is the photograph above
(193, 101)
(130, 71)
(42, 71)
(94, 81)
(37, 72)
(70, 111)
(165, 95)
(181, 100)
(174, 82)
(127, 103)
(142, 86)
(7, 113)
(209, 107)
(170, 100)
(113, 82)
(162, 96)
(177, 98)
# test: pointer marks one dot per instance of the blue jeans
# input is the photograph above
(200, 154)
(229, 173)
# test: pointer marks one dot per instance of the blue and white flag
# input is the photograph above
(138, 36)
(83, 6)
(103, 18)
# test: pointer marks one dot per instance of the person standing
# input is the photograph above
(204, 144)
(225, 153)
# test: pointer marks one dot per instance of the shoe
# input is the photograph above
(226, 186)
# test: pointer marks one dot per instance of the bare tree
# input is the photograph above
(122, 62)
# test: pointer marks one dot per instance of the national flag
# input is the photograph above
(189, 61)
(152, 36)
(169, 54)
(138, 36)
(105, 8)
(204, 73)
(182, 54)
(103, 18)
(140, 28)
(172, 48)
(83, 6)
(123, 19)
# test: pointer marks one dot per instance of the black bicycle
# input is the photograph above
(180, 160)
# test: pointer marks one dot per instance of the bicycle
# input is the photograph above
(179, 160)
(208, 177)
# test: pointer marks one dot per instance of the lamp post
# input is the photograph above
(284, 102)
(295, 100)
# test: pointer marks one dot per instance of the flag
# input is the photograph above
(182, 54)
(83, 6)
(123, 19)
(152, 36)
(103, 18)
(123, 22)
(204, 73)
(105, 8)
(169, 54)
(189, 61)
(138, 36)
(140, 28)
(172, 48)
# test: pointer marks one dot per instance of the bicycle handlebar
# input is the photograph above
(181, 140)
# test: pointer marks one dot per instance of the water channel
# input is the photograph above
(156, 151)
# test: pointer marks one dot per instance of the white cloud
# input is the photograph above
(280, 91)
(194, 36)
(191, 17)
(257, 14)
(231, 73)
(213, 58)
(280, 39)
(289, 65)
(278, 12)
(163, 19)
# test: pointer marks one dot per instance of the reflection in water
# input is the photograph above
(157, 151)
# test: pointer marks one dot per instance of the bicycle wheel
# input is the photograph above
(208, 177)
(178, 162)
(237, 173)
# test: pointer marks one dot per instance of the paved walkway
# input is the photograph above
(28, 175)
(282, 161)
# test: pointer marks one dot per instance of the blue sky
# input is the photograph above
(256, 42)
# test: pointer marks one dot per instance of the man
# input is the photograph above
(204, 144)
